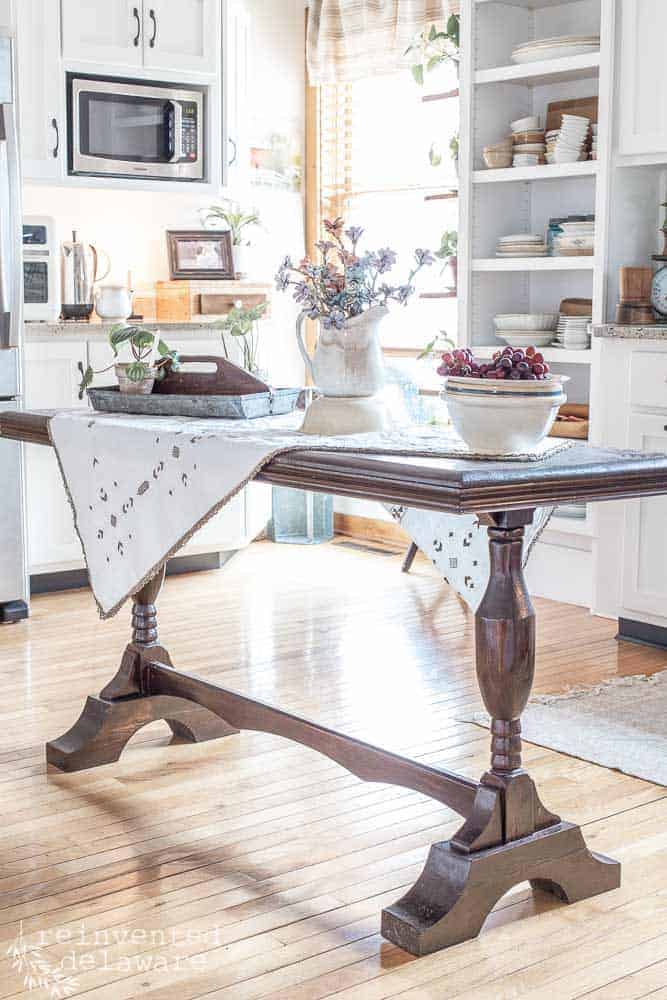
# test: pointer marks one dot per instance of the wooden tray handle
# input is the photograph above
(227, 379)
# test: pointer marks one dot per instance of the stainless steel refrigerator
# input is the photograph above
(14, 587)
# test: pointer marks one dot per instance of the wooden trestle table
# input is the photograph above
(507, 836)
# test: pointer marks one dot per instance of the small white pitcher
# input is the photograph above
(347, 362)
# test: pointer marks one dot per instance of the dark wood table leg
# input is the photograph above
(465, 877)
(109, 721)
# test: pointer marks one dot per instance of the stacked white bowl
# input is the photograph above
(577, 239)
(566, 145)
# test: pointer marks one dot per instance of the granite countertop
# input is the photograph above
(97, 330)
(617, 331)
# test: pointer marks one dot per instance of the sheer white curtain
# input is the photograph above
(353, 39)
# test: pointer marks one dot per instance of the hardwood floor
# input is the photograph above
(252, 867)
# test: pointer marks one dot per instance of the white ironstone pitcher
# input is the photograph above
(347, 362)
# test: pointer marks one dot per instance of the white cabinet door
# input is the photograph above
(643, 85)
(235, 151)
(51, 382)
(103, 32)
(645, 538)
(182, 36)
(41, 118)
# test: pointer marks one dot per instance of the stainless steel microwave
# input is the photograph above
(128, 128)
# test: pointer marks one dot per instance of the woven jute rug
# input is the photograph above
(620, 724)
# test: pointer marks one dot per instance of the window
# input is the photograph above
(385, 164)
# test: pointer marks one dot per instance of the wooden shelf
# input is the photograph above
(533, 264)
(546, 172)
(442, 196)
(553, 355)
(582, 67)
(451, 293)
(447, 95)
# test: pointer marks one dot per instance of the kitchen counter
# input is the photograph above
(617, 331)
(70, 330)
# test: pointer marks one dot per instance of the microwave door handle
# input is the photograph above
(175, 142)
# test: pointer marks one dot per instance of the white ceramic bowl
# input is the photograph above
(529, 124)
(519, 338)
(502, 418)
(525, 321)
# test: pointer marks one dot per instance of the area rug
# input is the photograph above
(620, 724)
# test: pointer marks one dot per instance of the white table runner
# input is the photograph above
(141, 486)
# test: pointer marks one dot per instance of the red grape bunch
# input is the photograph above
(511, 362)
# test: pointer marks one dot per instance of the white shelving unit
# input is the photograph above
(493, 203)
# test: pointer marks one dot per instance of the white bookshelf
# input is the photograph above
(493, 203)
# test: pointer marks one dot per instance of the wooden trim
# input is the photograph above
(451, 294)
(444, 196)
(370, 529)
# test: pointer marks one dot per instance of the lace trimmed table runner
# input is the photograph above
(141, 486)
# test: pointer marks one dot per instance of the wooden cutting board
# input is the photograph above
(585, 107)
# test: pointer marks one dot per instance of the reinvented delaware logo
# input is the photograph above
(38, 973)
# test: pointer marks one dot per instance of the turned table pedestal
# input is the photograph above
(507, 835)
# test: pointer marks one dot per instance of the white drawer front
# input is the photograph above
(648, 380)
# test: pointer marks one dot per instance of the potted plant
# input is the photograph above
(138, 376)
(241, 322)
(434, 48)
(238, 221)
(448, 253)
(454, 151)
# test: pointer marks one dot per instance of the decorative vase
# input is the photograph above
(113, 302)
(129, 386)
(348, 369)
(453, 270)
(240, 257)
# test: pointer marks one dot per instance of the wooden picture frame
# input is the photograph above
(204, 254)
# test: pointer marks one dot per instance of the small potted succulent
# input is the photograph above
(138, 376)
(241, 323)
(448, 253)
(238, 222)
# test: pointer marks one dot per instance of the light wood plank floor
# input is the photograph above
(252, 867)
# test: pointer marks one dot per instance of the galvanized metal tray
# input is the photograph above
(259, 404)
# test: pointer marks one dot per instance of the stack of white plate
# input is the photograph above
(567, 144)
(572, 332)
(521, 245)
(594, 143)
(578, 240)
(556, 48)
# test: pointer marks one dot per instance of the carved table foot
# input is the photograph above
(109, 721)
(104, 728)
(456, 892)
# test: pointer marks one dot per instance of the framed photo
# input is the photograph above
(200, 253)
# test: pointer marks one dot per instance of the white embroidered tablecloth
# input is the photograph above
(141, 486)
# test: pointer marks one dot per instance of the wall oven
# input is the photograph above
(130, 128)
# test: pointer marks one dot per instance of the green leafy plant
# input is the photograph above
(435, 47)
(141, 343)
(439, 342)
(241, 322)
(234, 217)
(434, 155)
(454, 147)
(449, 242)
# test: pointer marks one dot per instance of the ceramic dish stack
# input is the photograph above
(521, 245)
(572, 332)
(577, 240)
(568, 143)
(594, 141)
(499, 154)
(559, 47)
(529, 146)
(526, 329)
